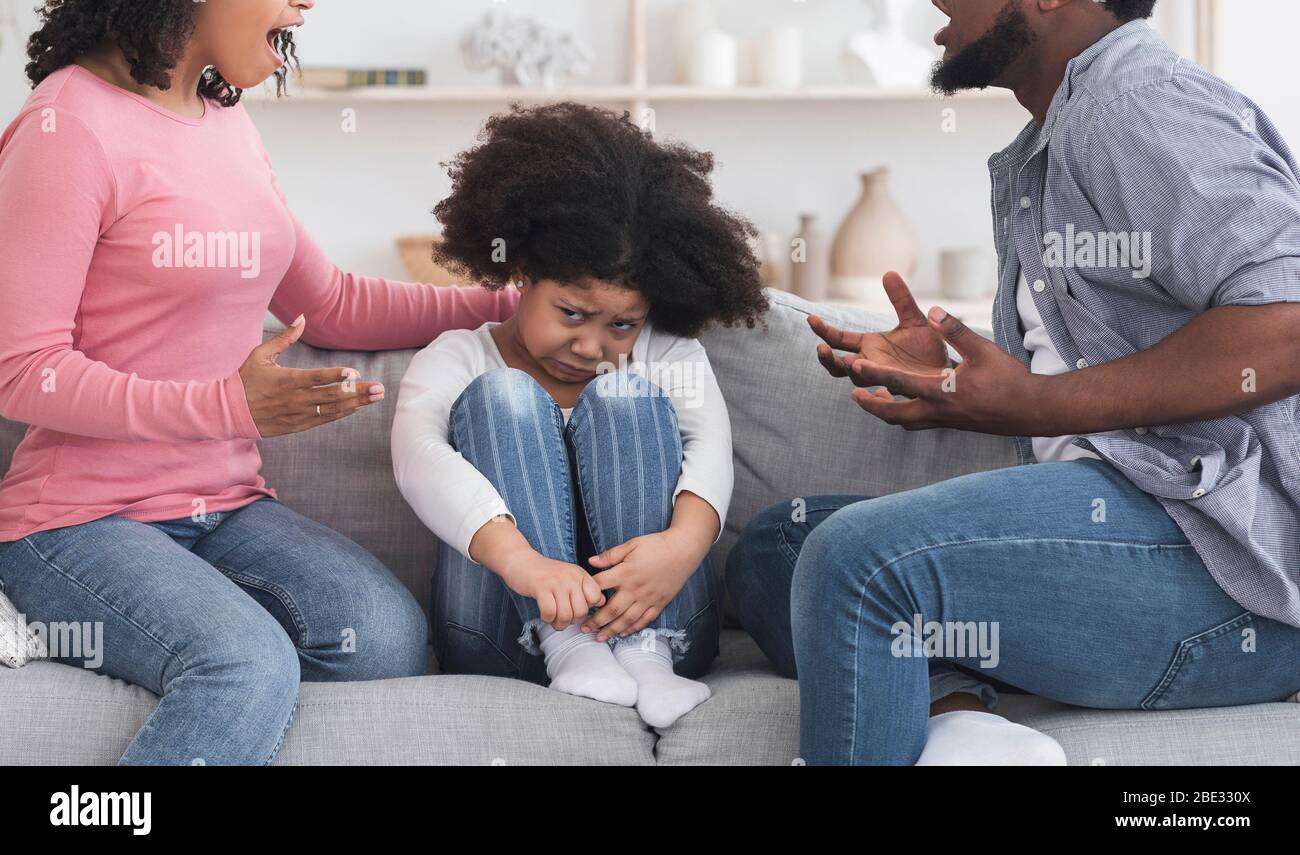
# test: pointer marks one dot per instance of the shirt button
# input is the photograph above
(1141, 431)
(1040, 286)
(1025, 202)
(1082, 363)
(1196, 461)
(1196, 494)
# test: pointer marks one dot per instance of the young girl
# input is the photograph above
(588, 428)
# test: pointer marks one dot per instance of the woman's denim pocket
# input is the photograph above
(1207, 669)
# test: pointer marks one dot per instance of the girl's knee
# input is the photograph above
(623, 391)
(509, 390)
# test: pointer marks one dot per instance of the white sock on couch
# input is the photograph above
(580, 665)
(971, 738)
(662, 696)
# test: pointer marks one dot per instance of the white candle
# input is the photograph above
(691, 18)
(713, 61)
(780, 58)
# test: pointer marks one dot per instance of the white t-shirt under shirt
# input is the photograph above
(1044, 359)
(455, 500)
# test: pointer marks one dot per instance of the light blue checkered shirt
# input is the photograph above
(1139, 140)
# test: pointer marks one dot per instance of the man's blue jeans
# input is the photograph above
(221, 616)
(1088, 591)
(575, 491)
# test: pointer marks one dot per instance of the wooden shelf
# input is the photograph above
(607, 94)
(812, 93)
(638, 92)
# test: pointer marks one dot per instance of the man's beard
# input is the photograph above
(981, 63)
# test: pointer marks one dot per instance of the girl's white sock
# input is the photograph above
(662, 696)
(970, 738)
(580, 665)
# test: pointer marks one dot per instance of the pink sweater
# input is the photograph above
(139, 251)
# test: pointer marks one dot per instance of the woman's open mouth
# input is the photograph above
(276, 44)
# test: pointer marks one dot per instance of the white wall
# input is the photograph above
(357, 192)
(1255, 51)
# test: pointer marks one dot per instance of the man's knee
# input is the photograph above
(834, 554)
(756, 557)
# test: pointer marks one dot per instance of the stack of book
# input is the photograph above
(351, 78)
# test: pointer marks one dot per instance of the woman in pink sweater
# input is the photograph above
(142, 239)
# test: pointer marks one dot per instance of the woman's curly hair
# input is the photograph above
(151, 33)
(578, 193)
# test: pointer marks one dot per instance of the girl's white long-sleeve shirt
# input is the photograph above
(455, 500)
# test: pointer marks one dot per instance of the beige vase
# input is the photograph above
(874, 239)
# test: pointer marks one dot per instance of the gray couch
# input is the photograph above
(796, 433)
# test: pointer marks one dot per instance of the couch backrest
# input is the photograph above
(796, 433)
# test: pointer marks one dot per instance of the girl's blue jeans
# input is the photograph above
(1060, 579)
(575, 491)
(222, 615)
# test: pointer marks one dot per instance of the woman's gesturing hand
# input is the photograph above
(912, 346)
(289, 400)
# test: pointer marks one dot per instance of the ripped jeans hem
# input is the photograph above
(678, 643)
(528, 637)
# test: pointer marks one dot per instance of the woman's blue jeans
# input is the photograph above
(221, 615)
(1063, 578)
(575, 491)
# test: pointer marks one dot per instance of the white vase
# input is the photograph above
(874, 239)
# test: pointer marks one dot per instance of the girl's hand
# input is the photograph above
(286, 400)
(564, 592)
(647, 572)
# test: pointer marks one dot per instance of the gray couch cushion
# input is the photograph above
(62, 715)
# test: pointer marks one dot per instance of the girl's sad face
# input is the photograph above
(571, 331)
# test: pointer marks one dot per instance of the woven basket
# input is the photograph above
(417, 255)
